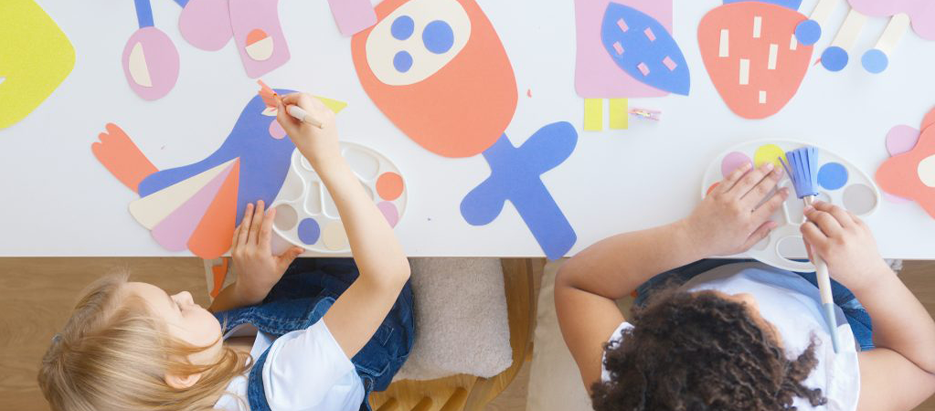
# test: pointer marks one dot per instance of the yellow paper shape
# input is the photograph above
(593, 114)
(152, 209)
(35, 57)
(335, 105)
(619, 114)
(769, 153)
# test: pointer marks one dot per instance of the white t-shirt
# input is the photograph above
(305, 370)
(793, 305)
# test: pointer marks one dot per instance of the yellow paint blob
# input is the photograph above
(769, 153)
(334, 236)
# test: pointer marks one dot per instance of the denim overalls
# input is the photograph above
(301, 298)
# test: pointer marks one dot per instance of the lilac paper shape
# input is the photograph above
(173, 232)
(596, 74)
(206, 24)
(162, 62)
(353, 16)
(921, 12)
(901, 139)
(264, 160)
(248, 15)
(515, 177)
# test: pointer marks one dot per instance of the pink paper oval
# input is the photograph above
(162, 62)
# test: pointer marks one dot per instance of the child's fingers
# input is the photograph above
(245, 225)
(289, 256)
(813, 235)
(843, 217)
(761, 232)
(767, 209)
(255, 223)
(758, 193)
(825, 221)
(733, 178)
(266, 229)
(750, 180)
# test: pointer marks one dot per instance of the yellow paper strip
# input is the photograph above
(619, 114)
(593, 114)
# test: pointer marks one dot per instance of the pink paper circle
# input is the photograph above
(390, 212)
(162, 61)
(901, 139)
(206, 24)
(734, 161)
(276, 131)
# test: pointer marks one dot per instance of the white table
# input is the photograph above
(57, 200)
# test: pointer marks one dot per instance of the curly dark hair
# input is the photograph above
(698, 351)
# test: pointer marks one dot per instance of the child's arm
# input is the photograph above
(384, 269)
(900, 373)
(728, 221)
(258, 270)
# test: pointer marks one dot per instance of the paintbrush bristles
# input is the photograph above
(802, 168)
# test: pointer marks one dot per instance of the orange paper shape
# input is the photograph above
(752, 56)
(117, 152)
(215, 232)
(912, 175)
(461, 109)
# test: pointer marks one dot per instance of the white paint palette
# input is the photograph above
(840, 183)
(307, 216)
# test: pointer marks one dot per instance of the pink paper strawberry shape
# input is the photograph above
(751, 53)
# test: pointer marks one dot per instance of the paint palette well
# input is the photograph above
(840, 183)
(307, 216)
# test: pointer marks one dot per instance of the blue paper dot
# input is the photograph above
(832, 176)
(808, 32)
(402, 27)
(875, 61)
(438, 37)
(309, 231)
(402, 61)
(834, 58)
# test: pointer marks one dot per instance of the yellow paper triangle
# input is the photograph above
(335, 105)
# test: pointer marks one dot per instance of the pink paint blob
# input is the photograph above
(389, 212)
(901, 139)
(734, 161)
(162, 62)
(276, 131)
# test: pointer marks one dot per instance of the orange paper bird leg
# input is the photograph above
(220, 274)
(214, 233)
(125, 161)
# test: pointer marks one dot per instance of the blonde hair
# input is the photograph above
(113, 354)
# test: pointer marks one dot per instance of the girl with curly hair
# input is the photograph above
(740, 335)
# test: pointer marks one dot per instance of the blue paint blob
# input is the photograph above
(832, 176)
(402, 61)
(438, 37)
(834, 58)
(792, 4)
(808, 32)
(402, 27)
(309, 231)
(875, 61)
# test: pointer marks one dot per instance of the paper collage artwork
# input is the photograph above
(35, 58)
(909, 175)
(198, 206)
(753, 56)
(430, 64)
(625, 50)
(151, 61)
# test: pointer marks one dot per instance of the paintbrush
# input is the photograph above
(272, 100)
(802, 168)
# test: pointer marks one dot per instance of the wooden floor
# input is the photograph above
(36, 296)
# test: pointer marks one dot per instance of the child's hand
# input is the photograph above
(258, 270)
(731, 218)
(845, 243)
(318, 145)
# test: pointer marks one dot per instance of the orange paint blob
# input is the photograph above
(390, 186)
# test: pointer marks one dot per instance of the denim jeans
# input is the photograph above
(856, 315)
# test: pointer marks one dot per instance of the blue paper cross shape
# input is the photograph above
(515, 177)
